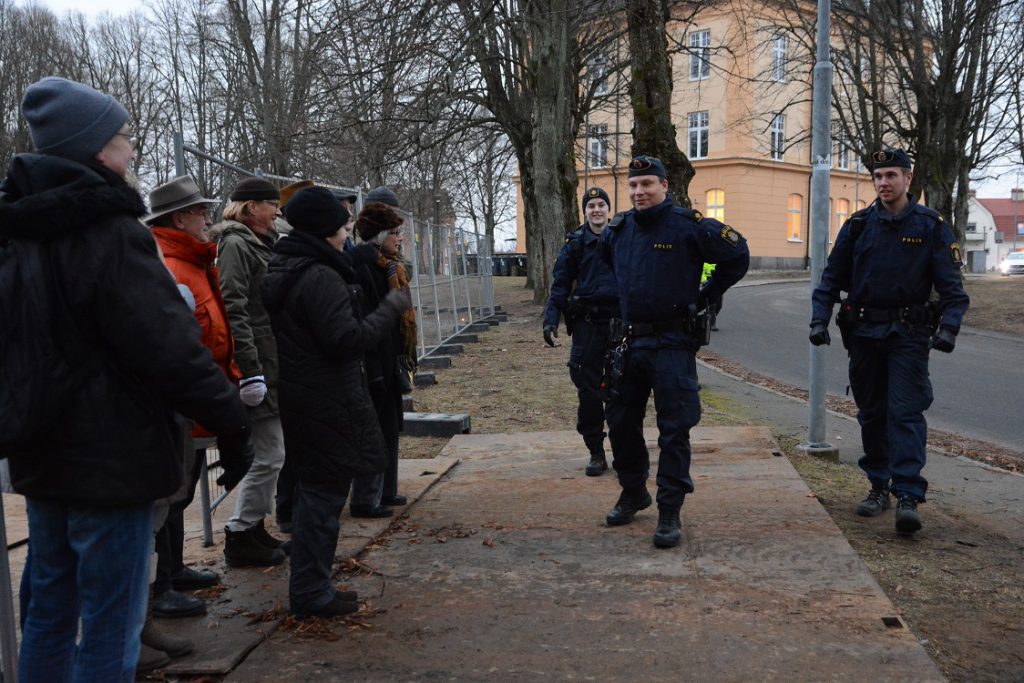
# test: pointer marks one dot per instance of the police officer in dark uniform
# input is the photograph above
(587, 310)
(888, 257)
(658, 251)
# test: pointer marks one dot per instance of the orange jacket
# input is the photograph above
(191, 261)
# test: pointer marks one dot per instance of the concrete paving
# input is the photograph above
(505, 570)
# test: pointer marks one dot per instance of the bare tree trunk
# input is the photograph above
(554, 161)
(650, 91)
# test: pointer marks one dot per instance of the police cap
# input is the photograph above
(644, 165)
(595, 193)
(890, 157)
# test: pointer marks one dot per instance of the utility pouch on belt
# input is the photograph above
(845, 320)
(615, 360)
(700, 324)
(571, 314)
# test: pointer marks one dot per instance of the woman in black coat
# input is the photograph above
(330, 428)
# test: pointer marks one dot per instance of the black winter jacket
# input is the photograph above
(119, 442)
(331, 432)
(382, 360)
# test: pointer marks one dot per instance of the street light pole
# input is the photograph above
(821, 165)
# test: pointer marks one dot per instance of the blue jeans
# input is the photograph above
(93, 564)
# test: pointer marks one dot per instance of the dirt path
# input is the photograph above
(960, 585)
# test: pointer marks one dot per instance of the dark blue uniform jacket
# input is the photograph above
(894, 262)
(580, 261)
(658, 255)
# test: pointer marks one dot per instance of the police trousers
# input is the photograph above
(672, 375)
(889, 378)
(586, 365)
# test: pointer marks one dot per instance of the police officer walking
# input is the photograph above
(657, 251)
(587, 310)
(888, 257)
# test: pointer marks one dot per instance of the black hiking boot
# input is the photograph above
(243, 549)
(875, 502)
(668, 533)
(907, 520)
(627, 506)
(597, 465)
(264, 538)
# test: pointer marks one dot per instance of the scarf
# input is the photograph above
(398, 278)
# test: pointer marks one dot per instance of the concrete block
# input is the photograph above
(436, 362)
(436, 424)
(424, 379)
(449, 349)
(465, 339)
(407, 403)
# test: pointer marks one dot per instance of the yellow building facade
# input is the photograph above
(742, 111)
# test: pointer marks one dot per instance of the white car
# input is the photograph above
(1013, 264)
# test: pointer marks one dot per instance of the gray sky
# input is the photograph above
(92, 8)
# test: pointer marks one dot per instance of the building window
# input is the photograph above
(714, 202)
(861, 204)
(842, 212)
(599, 75)
(793, 216)
(700, 55)
(843, 151)
(597, 145)
(972, 227)
(698, 134)
(779, 58)
(778, 136)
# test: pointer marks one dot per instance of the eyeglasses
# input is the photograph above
(198, 211)
(133, 140)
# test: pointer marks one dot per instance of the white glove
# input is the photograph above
(252, 390)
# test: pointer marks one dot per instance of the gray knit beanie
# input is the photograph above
(383, 195)
(69, 119)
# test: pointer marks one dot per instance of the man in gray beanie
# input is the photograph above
(105, 355)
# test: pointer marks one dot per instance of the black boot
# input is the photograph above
(875, 502)
(668, 533)
(627, 506)
(243, 549)
(907, 520)
(597, 465)
(264, 538)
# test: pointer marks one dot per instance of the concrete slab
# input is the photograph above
(435, 424)
(449, 349)
(424, 379)
(506, 571)
(465, 338)
(436, 362)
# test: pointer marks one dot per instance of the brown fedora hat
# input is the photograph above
(176, 194)
(288, 191)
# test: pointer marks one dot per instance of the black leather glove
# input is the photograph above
(236, 454)
(550, 332)
(819, 333)
(944, 339)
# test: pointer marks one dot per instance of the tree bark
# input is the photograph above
(650, 92)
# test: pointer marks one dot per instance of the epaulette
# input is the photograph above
(692, 214)
(927, 211)
(617, 219)
(575, 234)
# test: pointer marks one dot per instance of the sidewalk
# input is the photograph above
(505, 570)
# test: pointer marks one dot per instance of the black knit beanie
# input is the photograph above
(316, 211)
(255, 189)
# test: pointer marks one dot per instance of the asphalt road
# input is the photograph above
(978, 388)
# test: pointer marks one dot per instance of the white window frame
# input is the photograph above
(792, 212)
(714, 210)
(597, 146)
(698, 134)
(842, 151)
(599, 72)
(841, 216)
(779, 46)
(700, 55)
(778, 137)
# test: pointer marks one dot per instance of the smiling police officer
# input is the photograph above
(658, 251)
(587, 310)
(888, 257)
